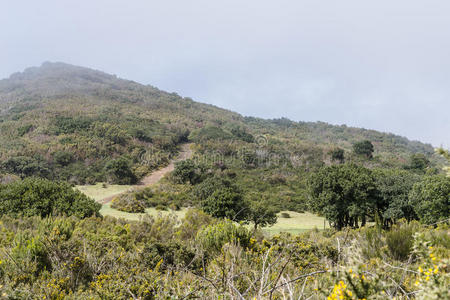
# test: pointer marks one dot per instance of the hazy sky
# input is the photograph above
(380, 64)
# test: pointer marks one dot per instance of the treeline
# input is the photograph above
(350, 195)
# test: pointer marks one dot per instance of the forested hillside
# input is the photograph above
(65, 122)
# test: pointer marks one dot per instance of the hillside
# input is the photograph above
(66, 122)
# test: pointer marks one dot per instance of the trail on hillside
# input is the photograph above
(157, 175)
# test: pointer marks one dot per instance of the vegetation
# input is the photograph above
(249, 182)
(67, 257)
(41, 197)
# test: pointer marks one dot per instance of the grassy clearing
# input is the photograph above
(99, 192)
(297, 223)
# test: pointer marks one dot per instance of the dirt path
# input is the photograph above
(154, 177)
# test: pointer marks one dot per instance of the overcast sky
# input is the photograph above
(380, 64)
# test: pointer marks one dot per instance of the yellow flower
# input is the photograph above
(420, 270)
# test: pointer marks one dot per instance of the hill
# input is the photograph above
(66, 122)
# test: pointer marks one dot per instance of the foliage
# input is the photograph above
(344, 194)
(431, 198)
(104, 258)
(226, 203)
(337, 154)
(394, 187)
(214, 237)
(418, 163)
(41, 197)
(188, 171)
(364, 148)
(128, 202)
(119, 171)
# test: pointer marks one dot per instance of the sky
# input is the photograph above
(382, 64)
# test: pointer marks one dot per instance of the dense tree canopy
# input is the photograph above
(344, 194)
(431, 199)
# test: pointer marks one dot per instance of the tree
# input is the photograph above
(418, 163)
(63, 158)
(431, 199)
(364, 148)
(260, 214)
(119, 171)
(42, 197)
(188, 171)
(394, 187)
(344, 194)
(337, 154)
(226, 203)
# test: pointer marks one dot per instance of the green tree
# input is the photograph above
(344, 194)
(431, 199)
(394, 187)
(261, 214)
(337, 154)
(418, 162)
(364, 148)
(226, 203)
(188, 171)
(119, 171)
(42, 197)
(63, 158)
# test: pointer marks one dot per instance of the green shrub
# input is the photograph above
(128, 203)
(213, 237)
(41, 197)
(400, 240)
(119, 171)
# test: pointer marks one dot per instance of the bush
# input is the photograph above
(213, 237)
(119, 171)
(285, 215)
(400, 240)
(41, 197)
(430, 199)
(188, 171)
(128, 203)
(226, 203)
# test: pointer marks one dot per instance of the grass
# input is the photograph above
(297, 223)
(107, 210)
(99, 192)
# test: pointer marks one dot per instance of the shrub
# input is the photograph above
(213, 237)
(226, 203)
(119, 171)
(188, 171)
(34, 196)
(285, 215)
(400, 240)
(128, 203)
